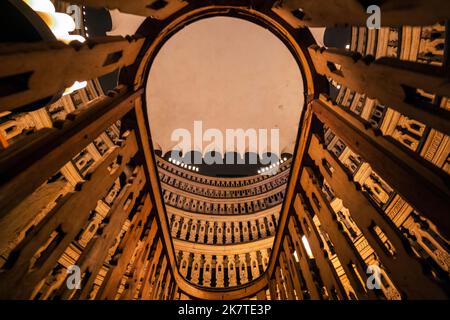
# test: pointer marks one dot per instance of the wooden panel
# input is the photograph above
(287, 276)
(25, 166)
(303, 257)
(147, 284)
(167, 283)
(411, 280)
(128, 245)
(137, 271)
(35, 71)
(24, 272)
(329, 13)
(292, 269)
(156, 289)
(261, 295)
(327, 271)
(346, 253)
(279, 283)
(384, 80)
(290, 189)
(405, 179)
(419, 165)
(157, 9)
(96, 251)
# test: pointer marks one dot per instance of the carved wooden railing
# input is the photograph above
(113, 224)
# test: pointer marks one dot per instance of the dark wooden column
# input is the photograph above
(345, 250)
(327, 271)
(404, 269)
(386, 80)
(328, 13)
(425, 192)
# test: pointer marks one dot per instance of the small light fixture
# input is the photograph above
(307, 247)
(76, 86)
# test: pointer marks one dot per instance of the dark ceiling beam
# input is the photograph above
(332, 13)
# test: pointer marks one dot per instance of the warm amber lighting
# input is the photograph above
(76, 86)
(296, 256)
(59, 23)
(41, 5)
(307, 247)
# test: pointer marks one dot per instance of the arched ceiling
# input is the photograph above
(228, 73)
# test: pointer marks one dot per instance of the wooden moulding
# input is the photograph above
(128, 246)
(411, 280)
(346, 253)
(327, 270)
(401, 173)
(137, 271)
(385, 79)
(23, 274)
(147, 8)
(25, 166)
(32, 72)
(95, 253)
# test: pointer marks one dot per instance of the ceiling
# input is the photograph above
(227, 73)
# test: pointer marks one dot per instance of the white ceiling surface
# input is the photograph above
(227, 72)
(124, 24)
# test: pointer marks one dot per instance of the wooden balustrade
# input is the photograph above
(389, 80)
(149, 8)
(300, 13)
(113, 223)
(28, 66)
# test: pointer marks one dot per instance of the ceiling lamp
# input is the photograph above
(76, 86)
(59, 23)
